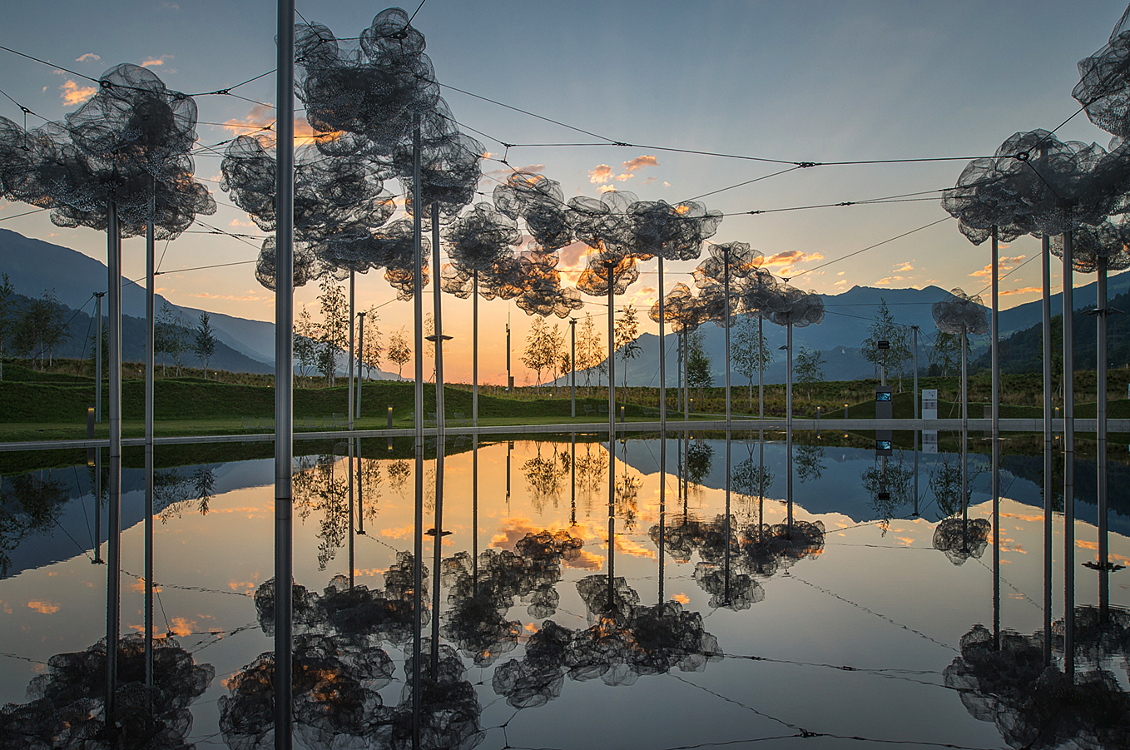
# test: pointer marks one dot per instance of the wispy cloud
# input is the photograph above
(88, 56)
(1005, 263)
(261, 120)
(233, 297)
(1022, 290)
(154, 62)
(74, 94)
(904, 268)
(791, 257)
(634, 165)
(608, 188)
(889, 280)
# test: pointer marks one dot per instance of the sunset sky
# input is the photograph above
(802, 81)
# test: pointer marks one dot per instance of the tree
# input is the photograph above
(884, 328)
(589, 348)
(698, 364)
(540, 353)
(204, 341)
(372, 347)
(170, 337)
(41, 327)
(945, 354)
(335, 328)
(305, 343)
(7, 317)
(398, 351)
(809, 368)
(747, 357)
(627, 332)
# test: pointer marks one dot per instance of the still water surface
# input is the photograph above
(573, 617)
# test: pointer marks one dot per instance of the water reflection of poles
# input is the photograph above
(1100, 370)
(113, 533)
(98, 357)
(97, 506)
(349, 471)
(964, 446)
(360, 494)
(996, 544)
(662, 490)
(1068, 460)
(475, 509)
(573, 482)
(437, 556)
(475, 348)
(284, 374)
(352, 354)
(1048, 435)
(726, 551)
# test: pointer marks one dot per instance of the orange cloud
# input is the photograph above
(1004, 263)
(639, 163)
(156, 61)
(45, 608)
(682, 598)
(262, 119)
(904, 267)
(1022, 290)
(586, 561)
(74, 94)
(607, 189)
(88, 56)
(889, 280)
(601, 174)
(232, 297)
(791, 257)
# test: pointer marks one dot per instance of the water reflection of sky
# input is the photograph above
(877, 598)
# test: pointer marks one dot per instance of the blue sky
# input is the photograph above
(798, 81)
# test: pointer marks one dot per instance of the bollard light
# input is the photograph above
(390, 422)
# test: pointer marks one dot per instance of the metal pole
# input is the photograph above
(114, 531)
(760, 371)
(686, 381)
(573, 365)
(437, 552)
(611, 376)
(509, 377)
(284, 376)
(97, 506)
(352, 352)
(1048, 433)
(1068, 459)
(995, 397)
(726, 294)
(360, 493)
(98, 357)
(1104, 580)
(662, 387)
(418, 321)
(914, 341)
(437, 313)
(149, 385)
(662, 485)
(475, 348)
(360, 361)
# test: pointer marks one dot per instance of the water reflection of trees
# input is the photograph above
(545, 477)
(1003, 679)
(398, 472)
(945, 484)
(66, 710)
(178, 490)
(700, 454)
(808, 461)
(29, 503)
(889, 485)
(592, 471)
(318, 486)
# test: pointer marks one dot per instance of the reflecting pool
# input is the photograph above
(691, 591)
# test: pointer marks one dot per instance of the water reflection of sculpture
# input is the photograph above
(1002, 678)
(339, 664)
(66, 707)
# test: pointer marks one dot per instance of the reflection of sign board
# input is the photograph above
(929, 441)
(884, 447)
(930, 404)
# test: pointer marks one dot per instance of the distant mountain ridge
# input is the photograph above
(34, 266)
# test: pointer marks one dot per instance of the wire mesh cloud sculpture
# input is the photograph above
(370, 90)
(961, 313)
(1093, 247)
(539, 201)
(672, 232)
(796, 307)
(1104, 83)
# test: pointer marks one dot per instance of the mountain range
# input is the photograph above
(35, 265)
